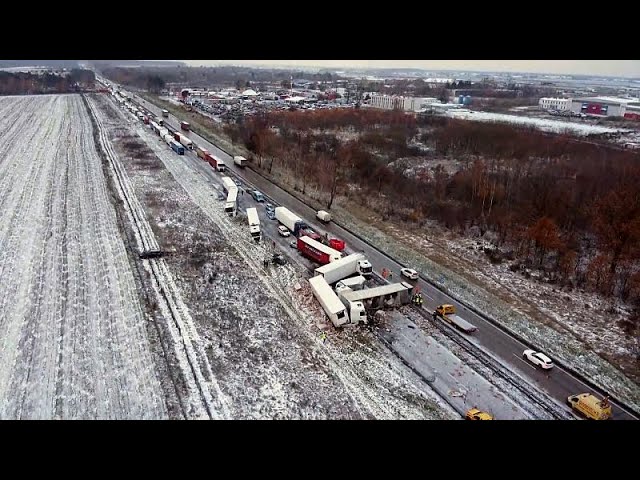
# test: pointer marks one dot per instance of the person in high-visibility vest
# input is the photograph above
(323, 336)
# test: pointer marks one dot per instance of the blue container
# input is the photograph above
(461, 99)
(467, 100)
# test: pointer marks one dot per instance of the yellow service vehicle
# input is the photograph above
(590, 406)
(475, 414)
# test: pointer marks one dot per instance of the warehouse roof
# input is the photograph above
(605, 100)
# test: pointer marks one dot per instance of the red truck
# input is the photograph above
(203, 154)
(184, 126)
(317, 251)
(215, 162)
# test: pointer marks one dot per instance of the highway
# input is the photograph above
(557, 383)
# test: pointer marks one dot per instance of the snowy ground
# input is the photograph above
(544, 124)
(73, 340)
(261, 327)
(535, 310)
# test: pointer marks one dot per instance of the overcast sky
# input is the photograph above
(622, 68)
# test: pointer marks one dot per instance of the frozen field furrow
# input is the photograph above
(72, 331)
(204, 398)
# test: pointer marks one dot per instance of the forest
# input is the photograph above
(567, 208)
(24, 83)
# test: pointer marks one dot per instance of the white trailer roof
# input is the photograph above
(339, 263)
(252, 216)
(228, 183)
(322, 289)
(232, 196)
(359, 295)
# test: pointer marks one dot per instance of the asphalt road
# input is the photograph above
(558, 383)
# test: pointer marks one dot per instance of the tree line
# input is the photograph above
(25, 83)
(569, 209)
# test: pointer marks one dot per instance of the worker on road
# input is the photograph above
(323, 336)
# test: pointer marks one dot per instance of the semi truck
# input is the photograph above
(186, 142)
(178, 148)
(168, 138)
(254, 223)
(345, 267)
(216, 163)
(290, 220)
(185, 126)
(448, 314)
(337, 312)
(230, 188)
(317, 251)
(240, 161)
(202, 153)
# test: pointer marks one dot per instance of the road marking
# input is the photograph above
(525, 362)
(429, 297)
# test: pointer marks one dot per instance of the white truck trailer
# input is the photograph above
(290, 220)
(186, 142)
(345, 267)
(240, 161)
(392, 295)
(337, 312)
(354, 283)
(168, 138)
(254, 223)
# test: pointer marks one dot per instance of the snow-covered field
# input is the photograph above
(261, 327)
(73, 339)
(544, 124)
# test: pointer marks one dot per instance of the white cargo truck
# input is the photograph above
(186, 142)
(337, 312)
(240, 161)
(290, 220)
(254, 223)
(323, 216)
(345, 267)
(168, 138)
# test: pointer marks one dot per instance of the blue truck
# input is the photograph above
(178, 148)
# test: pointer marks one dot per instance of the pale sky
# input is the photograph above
(618, 68)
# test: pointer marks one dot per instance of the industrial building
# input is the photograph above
(555, 103)
(600, 106)
(393, 102)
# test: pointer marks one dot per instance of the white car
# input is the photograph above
(284, 231)
(538, 358)
(409, 273)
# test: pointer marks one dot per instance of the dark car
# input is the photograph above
(271, 214)
(269, 207)
(279, 259)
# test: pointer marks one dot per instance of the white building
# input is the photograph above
(407, 104)
(555, 103)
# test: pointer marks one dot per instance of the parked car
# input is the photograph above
(271, 214)
(284, 231)
(269, 207)
(475, 414)
(293, 244)
(538, 358)
(409, 273)
(237, 182)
